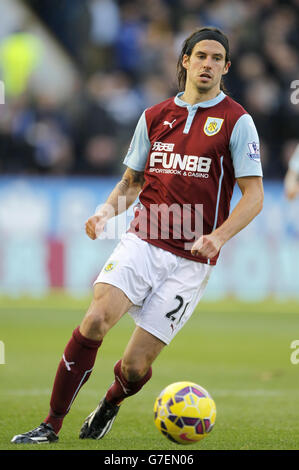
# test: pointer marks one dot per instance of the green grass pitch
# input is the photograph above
(239, 351)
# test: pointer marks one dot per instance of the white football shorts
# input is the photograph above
(164, 288)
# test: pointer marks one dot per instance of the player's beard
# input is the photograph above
(202, 89)
(205, 87)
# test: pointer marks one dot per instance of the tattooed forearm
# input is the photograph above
(131, 180)
(128, 187)
(123, 186)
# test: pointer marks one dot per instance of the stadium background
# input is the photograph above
(77, 74)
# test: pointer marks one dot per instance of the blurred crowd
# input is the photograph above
(126, 52)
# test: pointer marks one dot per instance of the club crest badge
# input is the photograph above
(212, 126)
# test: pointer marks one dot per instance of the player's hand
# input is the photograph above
(292, 191)
(291, 184)
(95, 225)
(206, 246)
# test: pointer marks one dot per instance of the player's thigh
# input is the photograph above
(140, 353)
(167, 309)
(108, 305)
(127, 268)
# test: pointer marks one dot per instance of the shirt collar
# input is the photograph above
(201, 104)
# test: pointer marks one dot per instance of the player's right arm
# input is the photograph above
(120, 199)
(130, 185)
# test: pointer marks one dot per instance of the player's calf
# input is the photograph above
(100, 421)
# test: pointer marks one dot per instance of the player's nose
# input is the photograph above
(207, 64)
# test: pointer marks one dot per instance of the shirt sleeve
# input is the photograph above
(139, 147)
(294, 161)
(245, 148)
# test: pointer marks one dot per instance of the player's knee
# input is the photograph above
(96, 321)
(95, 325)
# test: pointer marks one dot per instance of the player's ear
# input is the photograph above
(226, 68)
(185, 61)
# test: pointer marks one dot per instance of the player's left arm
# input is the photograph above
(249, 206)
(291, 180)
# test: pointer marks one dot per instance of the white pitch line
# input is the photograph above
(32, 392)
(249, 393)
(215, 393)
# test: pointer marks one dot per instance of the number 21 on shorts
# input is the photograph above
(177, 313)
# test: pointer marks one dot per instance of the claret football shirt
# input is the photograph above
(191, 156)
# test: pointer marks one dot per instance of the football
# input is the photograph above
(184, 412)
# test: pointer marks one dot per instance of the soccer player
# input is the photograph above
(184, 159)
(291, 180)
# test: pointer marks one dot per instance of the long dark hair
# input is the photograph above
(187, 48)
